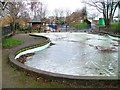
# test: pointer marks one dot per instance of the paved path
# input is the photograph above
(29, 40)
(11, 78)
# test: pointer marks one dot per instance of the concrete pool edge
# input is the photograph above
(114, 38)
(32, 50)
(54, 75)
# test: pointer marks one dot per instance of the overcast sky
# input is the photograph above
(71, 5)
(64, 4)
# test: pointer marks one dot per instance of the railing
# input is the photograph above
(6, 31)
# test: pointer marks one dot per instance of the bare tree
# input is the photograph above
(45, 11)
(36, 8)
(25, 16)
(61, 12)
(39, 9)
(84, 13)
(93, 16)
(106, 7)
(3, 5)
(12, 10)
(67, 12)
(67, 15)
(77, 15)
(61, 16)
(56, 13)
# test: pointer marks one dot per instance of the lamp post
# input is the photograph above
(66, 25)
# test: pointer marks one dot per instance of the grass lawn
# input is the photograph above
(115, 27)
(10, 42)
(79, 25)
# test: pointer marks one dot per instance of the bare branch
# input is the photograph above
(107, 7)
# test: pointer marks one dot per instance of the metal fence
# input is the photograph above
(6, 31)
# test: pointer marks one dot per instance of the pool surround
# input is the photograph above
(46, 74)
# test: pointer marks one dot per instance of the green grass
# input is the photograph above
(10, 42)
(115, 27)
(79, 25)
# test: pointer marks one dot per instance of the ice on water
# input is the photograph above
(75, 54)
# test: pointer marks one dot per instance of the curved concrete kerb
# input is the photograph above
(18, 55)
(32, 50)
(114, 38)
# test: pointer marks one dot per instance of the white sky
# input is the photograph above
(71, 5)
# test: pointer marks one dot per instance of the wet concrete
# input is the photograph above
(77, 54)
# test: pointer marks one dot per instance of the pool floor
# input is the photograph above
(77, 54)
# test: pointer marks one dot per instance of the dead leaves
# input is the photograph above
(22, 58)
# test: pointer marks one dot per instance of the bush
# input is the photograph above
(23, 28)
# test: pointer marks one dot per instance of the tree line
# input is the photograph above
(26, 10)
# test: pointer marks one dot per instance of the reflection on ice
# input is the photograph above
(76, 54)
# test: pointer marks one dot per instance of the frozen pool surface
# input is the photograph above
(76, 54)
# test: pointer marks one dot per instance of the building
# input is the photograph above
(36, 24)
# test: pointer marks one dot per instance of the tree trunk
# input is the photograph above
(107, 24)
(13, 25)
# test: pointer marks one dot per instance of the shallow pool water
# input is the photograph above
(77, 54)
